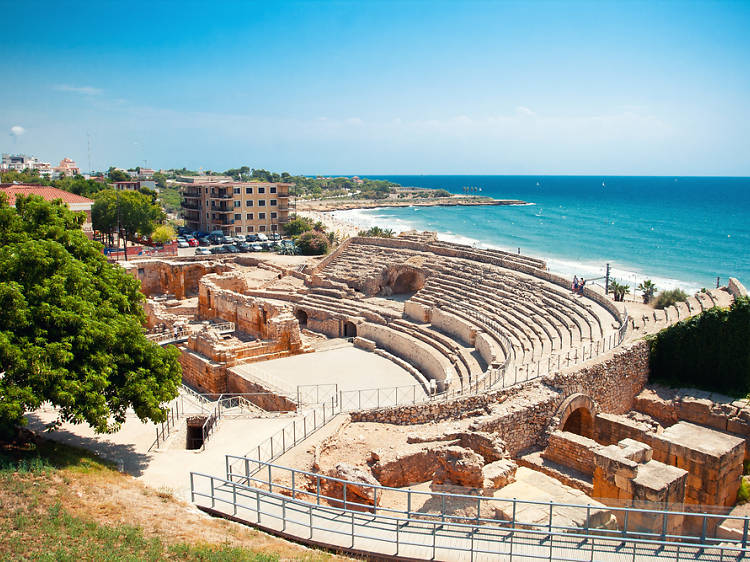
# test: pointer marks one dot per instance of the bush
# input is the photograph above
(313, 243)
(377, 232)
(297, 226)
(668, 298)
(163, 233)
(709, 351)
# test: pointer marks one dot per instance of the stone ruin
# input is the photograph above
(453, 316)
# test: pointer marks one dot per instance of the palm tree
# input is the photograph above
(618, 291)
(648, 289)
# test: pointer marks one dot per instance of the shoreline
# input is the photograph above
(346, 223)
(330, 205)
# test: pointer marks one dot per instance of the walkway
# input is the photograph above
(382, 534)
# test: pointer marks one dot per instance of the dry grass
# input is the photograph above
(60, 503)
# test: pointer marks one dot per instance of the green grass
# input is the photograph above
(58, 535)
(48, 455)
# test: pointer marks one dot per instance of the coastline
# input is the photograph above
(347, 222)
(330, 205)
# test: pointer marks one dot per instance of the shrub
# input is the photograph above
(313, 243)
(668, 298)
(743, 494)
(709, 351)
(377, 232)
(297, 226)
(163, 233)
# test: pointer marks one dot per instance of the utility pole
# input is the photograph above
(606, 281)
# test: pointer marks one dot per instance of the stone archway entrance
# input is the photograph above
(301, 316)
(409, 281)
(350, 330)
(576, 415)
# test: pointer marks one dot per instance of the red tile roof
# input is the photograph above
(48, 193)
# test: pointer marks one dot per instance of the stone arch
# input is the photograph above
(301, 316)
(408, 281)
(350, 329)
(576, 415)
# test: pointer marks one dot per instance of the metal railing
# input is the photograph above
(428, 522)
(165, 428)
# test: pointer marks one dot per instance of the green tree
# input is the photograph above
(648, 289)
(297, 225)
(161, 180)
(71, 328)
(670, 297)
(618, 291)
(163, 233)
(117, 175)
(313, 243)
(128, 213)
(377, 232)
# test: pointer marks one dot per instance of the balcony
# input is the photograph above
(191, 205)
(220, 196)
(191, 195)
(222, 209)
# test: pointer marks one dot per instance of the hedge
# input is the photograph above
(710, 351)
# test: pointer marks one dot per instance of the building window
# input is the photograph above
(237, 203)
(249, 216)
(261, 216)
(273, 202)
(249, 203)
(207, 215)
(262, 203)
(237, 191)
(237, 229)
(262, 227)
(272, 190)
(250, 228)
(238, 216)
(274, 227)
(273, 215)
(249, 190)
(261, 190)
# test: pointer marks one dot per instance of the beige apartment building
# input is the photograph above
(235, 208)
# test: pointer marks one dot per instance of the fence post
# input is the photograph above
(744, 533)
(192, 489)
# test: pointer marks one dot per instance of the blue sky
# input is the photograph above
(382, 87)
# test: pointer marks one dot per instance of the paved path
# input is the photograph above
(384, 535)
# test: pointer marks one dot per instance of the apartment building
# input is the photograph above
(235, 208)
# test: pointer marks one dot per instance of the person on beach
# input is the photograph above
(575, 283)
(580, 286)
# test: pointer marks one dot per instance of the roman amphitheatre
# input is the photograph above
(414, 398)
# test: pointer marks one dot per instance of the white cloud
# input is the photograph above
(354, 121)
(17, 130)
(525, 111)
(85, 90)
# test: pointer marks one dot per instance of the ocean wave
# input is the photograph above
(622, 273)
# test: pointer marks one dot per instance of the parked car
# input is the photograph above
(242, 246)
(182, 244)
(204, 241)
(262, 237)
(231, 249)
(275, 236)
(251, 238)
(216, 236)
(255, 247)
(192, 242)
(202, 252)
(218, 250)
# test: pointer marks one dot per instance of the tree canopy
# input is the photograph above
(71, 325)
(134, 212)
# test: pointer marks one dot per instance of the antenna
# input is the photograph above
(88, 143)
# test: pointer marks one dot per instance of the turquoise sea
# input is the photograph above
(678, 231)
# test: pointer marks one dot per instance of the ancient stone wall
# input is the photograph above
(201, 373)
(435, 366)
(524, 420)
(453, 325)
(613, 380)
(177, 278)
(569, 449)
(250, 315)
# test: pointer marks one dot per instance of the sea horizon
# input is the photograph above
(678, 231)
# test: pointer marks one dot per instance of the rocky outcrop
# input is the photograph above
(457, 465)
(358, 497)
(499, 474)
